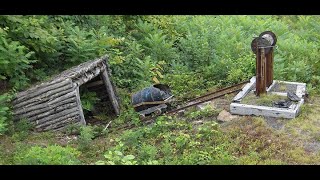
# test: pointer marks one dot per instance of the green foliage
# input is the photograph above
(88, 100)
(85, 138)
(192, 54)
(117, 158)
(14, 60)
(207, 112)
(4, 112)
(51, 155)
(21, 130)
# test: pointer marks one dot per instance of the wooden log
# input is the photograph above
(87, 76)
(48, 90)
(46, 107)
(40, 86)
(46, 94)
(61, 123)
(79, 106)
(82, 68)
(36, 101)
(109, 87)
(45, 124)
(57, 115)
(56, 110)
(63, 127)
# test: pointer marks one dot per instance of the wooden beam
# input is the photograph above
(79, 106)
(110, 90)
(269, 67)
(93, 84)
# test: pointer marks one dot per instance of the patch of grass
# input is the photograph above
(263, 100)
(207, 112)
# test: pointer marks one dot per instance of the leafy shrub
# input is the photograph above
(4, 112)
(88, 100)
(117, 158)
(51, 155)
(85, 138)
(21, 130)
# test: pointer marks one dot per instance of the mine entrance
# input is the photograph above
(96, 103)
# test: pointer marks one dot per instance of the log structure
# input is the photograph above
(56, 103)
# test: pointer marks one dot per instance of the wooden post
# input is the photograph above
(109, 87)
(270, 67)
(79, 106)
(263, 72)
(260, 72)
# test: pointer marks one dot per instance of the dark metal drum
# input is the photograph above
(151, 96)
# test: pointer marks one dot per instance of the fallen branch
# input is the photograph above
(107, 126)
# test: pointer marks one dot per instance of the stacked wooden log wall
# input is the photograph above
(48, 106)
(53, 105)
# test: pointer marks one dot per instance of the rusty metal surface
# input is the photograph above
(260, 42)
(211, 96)
(270, 36)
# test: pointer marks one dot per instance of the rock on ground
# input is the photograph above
(225, 116)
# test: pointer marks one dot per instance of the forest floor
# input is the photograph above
(242, 140)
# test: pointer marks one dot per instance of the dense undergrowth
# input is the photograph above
(192, 54)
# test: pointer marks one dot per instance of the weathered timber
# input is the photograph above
(46, 107)
(54, 104)
(245, 90)
(269, 68)
(45, 104)
(236, 107)
(38, 87)
(109, 87)
(36, 101)
(47, 94)
(53, 111)
(79, 105)
(62, 123)
(63, 127)
(95, 83)
(74, 118)
(57, 115)
(48, 90)
(55, 120)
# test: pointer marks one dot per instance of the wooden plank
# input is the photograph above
(288, 82)
(269, 68)
(245, 109)
(298, 107)
(93, 84)
(279, 93)
(271, 86)
(79, 106)
(245, 90)
(301, 91)
(110, 90)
